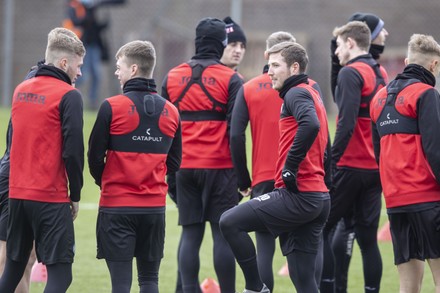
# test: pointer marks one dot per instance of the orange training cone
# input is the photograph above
(39, 272)
(210, 285)
(284, 271)
(384, 233)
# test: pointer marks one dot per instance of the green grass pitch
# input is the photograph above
(91, 275)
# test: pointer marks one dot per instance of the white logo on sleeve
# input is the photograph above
(262, 197)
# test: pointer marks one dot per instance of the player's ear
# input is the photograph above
(134, 69)
(294, 68)
(266, 55)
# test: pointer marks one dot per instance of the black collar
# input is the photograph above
(139, 84)
(292, 82)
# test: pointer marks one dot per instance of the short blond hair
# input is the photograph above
(62, 42)
(141, 53)
(356, 30)
(291, 52)
(279, 37)
(422, 49)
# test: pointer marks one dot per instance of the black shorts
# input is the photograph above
(50, 224)
(297, 218)
(357, 194)
(4, 215)
(262, 188)
(204, 194)
(120, 237)
(415, 235)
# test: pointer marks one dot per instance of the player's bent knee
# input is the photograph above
(226, 223)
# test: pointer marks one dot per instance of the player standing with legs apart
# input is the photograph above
(342, 240)
(135, 142)
(356, 184)
(255, 100)
(298, 208)
(24, 284)
(406, 118)
(45, 190)
(232, 56)
(204, 91)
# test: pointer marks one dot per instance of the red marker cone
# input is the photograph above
(210, 285)
(39, 272)
(384, 233)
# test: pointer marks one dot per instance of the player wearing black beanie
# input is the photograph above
(204, 91)
(234, 51)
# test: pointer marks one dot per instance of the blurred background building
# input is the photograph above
(170, 25)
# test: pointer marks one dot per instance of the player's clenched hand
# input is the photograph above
(289, 179)
(246, 192)
(74, 208)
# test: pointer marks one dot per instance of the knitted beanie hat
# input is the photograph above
(235, 33)
(374, 22)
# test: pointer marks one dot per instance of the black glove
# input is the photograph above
(328, 166)
(289, 178)
(333, 47)
(336, 67)
(333, 170)
(328, 178)
(171, 181)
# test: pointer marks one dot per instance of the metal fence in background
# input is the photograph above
(170, 25)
